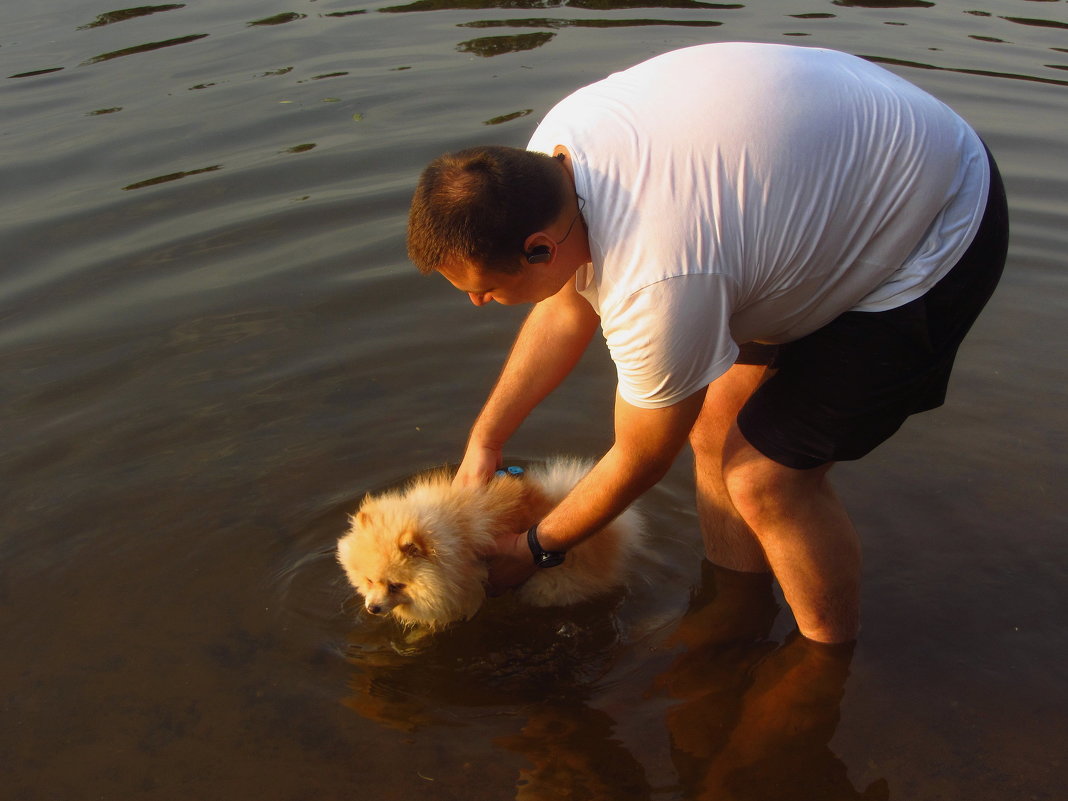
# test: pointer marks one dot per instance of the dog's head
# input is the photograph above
(406, 564)
(381, 562)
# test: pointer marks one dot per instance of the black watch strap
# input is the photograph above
(542, 557)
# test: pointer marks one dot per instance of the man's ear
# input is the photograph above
(539, 248)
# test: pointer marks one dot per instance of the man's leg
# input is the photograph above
(729, 542)
(756, 513)
(805, 535)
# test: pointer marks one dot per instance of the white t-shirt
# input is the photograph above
(738, 192)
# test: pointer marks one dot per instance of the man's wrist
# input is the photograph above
(548, 541)
(542, 555)
(487, 433)
(481, 446)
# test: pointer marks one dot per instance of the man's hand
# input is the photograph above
(550, 343)
(477, 468)
(510, 564)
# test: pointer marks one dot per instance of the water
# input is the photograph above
(212, 346)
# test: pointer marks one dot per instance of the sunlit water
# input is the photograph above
(212, 345)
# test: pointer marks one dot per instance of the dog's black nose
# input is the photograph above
(375, 610)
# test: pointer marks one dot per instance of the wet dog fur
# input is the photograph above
(418, 553)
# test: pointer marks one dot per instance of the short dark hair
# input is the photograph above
(480, 204)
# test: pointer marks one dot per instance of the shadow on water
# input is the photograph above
(746, 717)
(503, 659)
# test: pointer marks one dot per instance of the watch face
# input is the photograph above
(550, 559)
(542, 558)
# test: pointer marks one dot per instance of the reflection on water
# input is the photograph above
(574, 747)
(746, 718)
(495, 46)
(759, 723)
(754, 719)
(504, 659)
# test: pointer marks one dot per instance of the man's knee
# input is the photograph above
(761, 489)
(752, 487)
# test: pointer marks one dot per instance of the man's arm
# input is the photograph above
(548, 346)
(646, 444)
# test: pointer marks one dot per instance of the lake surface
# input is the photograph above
(212, 346)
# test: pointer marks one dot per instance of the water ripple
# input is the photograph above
(897, 62)
(203, 374)
(174, 176)
(555, 22)
(111, 17)
(1037, 23)
(279, 19)
(34, 73)
(145, 48)
(489, 46)
(592, 5)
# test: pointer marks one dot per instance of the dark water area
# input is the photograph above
(212, 345)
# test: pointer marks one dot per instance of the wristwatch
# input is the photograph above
(542, 557)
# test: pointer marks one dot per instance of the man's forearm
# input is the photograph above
(601, 496)
(647, 442)
(611, 486)
(548, 346)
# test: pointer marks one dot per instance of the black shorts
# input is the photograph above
(842, 390)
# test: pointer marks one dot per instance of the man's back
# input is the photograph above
(739, 192)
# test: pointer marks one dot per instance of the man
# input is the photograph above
(784, 248)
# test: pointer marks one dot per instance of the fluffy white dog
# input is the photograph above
(419, 553)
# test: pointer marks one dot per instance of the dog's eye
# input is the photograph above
(396, 587)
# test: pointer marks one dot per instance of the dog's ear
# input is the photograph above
(412, 545)
(362, 519)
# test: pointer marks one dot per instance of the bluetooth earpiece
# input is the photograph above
(539, 255)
